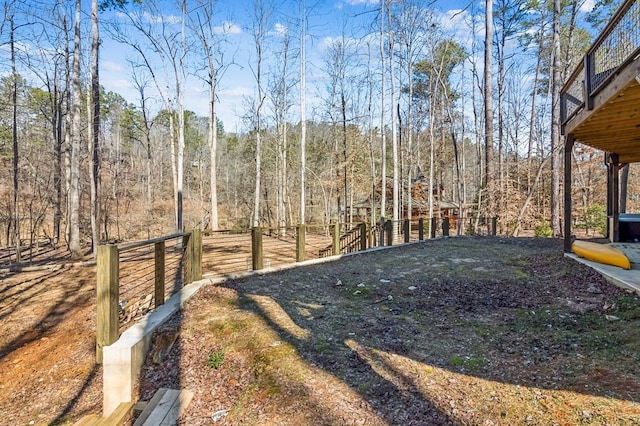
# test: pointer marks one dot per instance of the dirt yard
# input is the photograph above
(476, 331)
(472, 331)
(48, 373)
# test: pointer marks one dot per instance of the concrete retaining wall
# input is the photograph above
(122, 361)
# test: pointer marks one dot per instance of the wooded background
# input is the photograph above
(477, 121)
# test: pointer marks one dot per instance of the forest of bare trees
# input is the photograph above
(398, 103)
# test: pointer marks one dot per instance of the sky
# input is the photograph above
(326, 20)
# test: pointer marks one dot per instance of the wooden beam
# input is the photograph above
(614, 230)
(300, 242)
(159, 275)
(568, 149)
(107, 274)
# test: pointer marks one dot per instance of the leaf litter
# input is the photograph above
(467, 330)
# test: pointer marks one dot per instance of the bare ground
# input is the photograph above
(474, 331)
(48, 373)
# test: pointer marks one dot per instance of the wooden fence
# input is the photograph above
(128, 287)
(135, 278)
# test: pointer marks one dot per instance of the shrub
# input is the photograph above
(595, 217)
(543, 230)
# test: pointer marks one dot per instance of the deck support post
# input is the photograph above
(613, 197)
(568, 149)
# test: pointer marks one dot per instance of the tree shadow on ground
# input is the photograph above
(457, 331)
(31, 295)
(553, 326)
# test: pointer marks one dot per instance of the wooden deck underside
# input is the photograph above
(613, 125)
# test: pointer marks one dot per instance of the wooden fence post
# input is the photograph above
(445, 227)
(406, 227)
(256, 249)
(300, 242)
(196, 254)
(187, 247)
(389, 231)
(336, 238)
(159, 273)
(421, 229)
(107, 270)
(363, 236)
(433, 227)
(494, 226)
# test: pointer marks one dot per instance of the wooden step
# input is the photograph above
(164, 409)
(115, 419)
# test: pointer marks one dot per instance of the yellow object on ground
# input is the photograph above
(601, 253)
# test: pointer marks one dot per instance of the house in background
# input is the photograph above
(419, 202)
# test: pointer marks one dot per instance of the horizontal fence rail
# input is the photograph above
(135, 278)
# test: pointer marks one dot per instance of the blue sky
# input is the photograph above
(327, 21)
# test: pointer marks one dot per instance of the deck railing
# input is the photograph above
(617, 45)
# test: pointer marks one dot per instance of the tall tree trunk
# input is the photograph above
(394, 123)
(303, 121)
(383, 154)
(14, 136)
(180, 78)
(76, 137)
(343, 109)
(94, 141)
(213, 155)
(259, 34)
(624, 185)
(532, 117)
(556, 150)
(488, 111)
(501, 187)
(58, 136)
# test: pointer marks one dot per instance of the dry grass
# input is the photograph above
(474, 331)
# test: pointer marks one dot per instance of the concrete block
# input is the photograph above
(123, 360)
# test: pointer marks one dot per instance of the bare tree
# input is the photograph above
(303, 102)
(167, 40)
(76, 139)
(279, 96)
(261, 19)
(488, 110)
(394, 119)
(383, 153)
(556, 152)
(10, 11)
(94, 140)
(210, 37)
